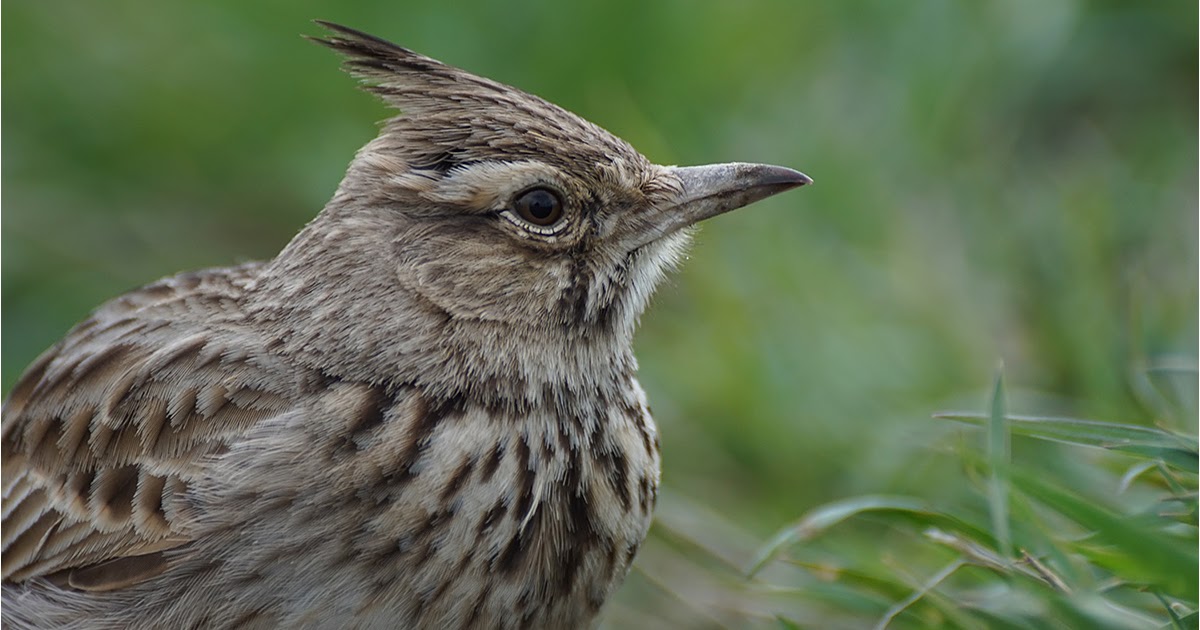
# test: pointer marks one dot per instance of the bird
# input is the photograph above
(423, 412)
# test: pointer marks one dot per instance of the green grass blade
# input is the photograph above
(998, 449)
(1176, 450)
(819, 519)
(1134, 551)
(921, 591)
(1082, 431)
(1176, 621)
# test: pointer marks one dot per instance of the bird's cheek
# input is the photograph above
(630, 230)
(490, 287)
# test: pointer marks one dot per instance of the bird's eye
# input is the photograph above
(539, 206)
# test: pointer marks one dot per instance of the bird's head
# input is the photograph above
(488, 209)
(505, 207)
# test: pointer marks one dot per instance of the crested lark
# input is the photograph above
(422, 413)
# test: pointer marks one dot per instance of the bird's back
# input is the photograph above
(105, 432)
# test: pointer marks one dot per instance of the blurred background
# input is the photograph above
(1008, 180)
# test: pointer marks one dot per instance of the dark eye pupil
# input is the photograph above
(539, 206)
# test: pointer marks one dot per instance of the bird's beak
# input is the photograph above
(718, 188)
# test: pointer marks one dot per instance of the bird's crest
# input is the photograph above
(504, 123)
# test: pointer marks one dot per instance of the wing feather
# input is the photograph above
(104, 432)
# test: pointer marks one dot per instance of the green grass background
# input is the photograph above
(1006, 180)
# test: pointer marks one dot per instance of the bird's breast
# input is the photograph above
(465, 514)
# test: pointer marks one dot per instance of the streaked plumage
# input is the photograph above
(422, 413)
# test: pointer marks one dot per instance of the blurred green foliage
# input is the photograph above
(1003, 179)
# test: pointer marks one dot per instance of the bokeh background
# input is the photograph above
(1007, 180)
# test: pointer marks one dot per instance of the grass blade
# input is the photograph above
(918, 593)
(823, 517)
(1135, 552)
(1176, 450)
(998, 454)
